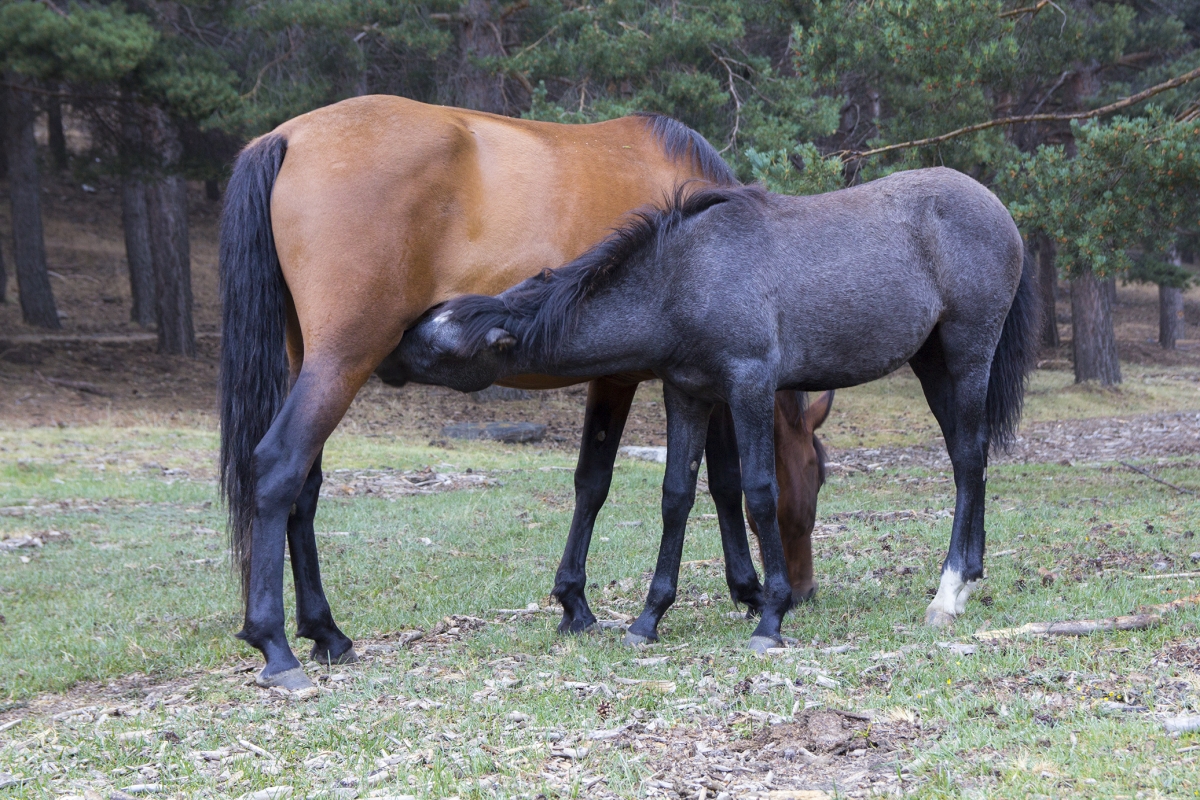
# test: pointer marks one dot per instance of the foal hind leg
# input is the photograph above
(957, 395)
(607, 409)
(725, 485)
(314, 619)
(283, 461)
(687, 421)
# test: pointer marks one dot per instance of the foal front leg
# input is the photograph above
(687, 420)
(753, 415)
(607, 409)
(725, 485)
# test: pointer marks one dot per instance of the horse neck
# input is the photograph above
(608, 333)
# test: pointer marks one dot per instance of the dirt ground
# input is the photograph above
(102, 368)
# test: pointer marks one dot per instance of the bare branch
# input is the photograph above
(1030, 10)
(1126, 102)
(737, 101)
(48, 4)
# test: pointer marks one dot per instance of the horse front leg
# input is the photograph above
(687, 421)
(283, 461)
(314, 619)
(753, 413)
(725, 485)
(608, 404)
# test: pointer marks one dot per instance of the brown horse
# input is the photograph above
(800, 470)
(340, 228)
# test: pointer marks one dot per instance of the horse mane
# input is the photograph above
(680, 142)
(541, 310)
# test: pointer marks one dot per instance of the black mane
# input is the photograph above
(679, 141)
(539, 311)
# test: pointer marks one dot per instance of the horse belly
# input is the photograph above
(857, 344)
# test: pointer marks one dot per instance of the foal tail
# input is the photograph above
(254, 366)
(1015, 357)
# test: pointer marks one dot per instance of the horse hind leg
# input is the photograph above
(608, 404)
(957, 395)
(283, 462)
(314, 619)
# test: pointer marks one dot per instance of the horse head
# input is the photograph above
(437, 351)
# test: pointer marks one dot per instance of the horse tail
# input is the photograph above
(254, 367)
(1015, 357)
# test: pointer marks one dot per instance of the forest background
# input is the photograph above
(1082, 116)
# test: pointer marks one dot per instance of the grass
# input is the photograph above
(138, 596)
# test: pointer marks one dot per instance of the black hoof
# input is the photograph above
(576, 625)
(331, 656)
(761, 644)
(294, 680)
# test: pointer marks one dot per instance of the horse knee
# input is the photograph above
(677, 502)
(762, 501)
(591, 490)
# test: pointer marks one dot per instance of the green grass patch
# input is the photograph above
(138, 595)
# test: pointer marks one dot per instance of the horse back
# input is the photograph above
(385, 207)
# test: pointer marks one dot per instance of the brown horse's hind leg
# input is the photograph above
(283, 462)
(314, 619)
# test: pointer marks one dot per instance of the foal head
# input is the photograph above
(433, 351)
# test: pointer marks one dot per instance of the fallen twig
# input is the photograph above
(851, 714)
(1155, 479)
(1078, 627)
(1147, 617)
(79, 386)
(1170, 575)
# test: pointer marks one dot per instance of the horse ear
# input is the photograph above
(815, 414)
(500, 340)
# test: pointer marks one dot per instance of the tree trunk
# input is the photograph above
(1092, 338)
(3, 279)
(24, 191)
(166, 204)
(1170, 316)
(476, 86)
(54, 130)
(3, 135)
(1047, 287)
(166, 207)
(135, 219)
(212, 190)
